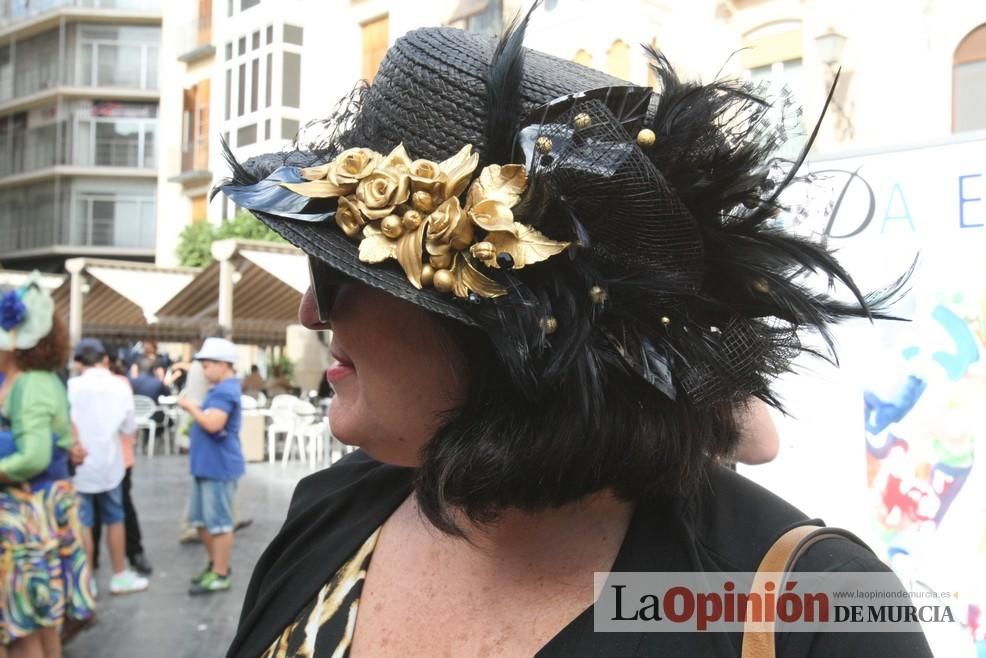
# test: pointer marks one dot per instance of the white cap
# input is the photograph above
(217, 349)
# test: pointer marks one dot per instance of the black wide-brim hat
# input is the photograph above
(596, 221)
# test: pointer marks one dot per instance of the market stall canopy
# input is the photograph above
(253, 289)
(118, 300)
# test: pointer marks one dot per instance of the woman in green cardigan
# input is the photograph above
(44, 579)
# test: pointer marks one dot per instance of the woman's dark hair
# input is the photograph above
(51, 353)
(501, 449)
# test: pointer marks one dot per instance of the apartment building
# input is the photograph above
(79, 91)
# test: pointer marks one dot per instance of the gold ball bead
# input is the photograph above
(443, 281)
(582, 121)
(423, 201)
(543, 144)
(761, 286)
(441, 262)
(666, 321)
(549, 324)
(646, 137)
(484, 251)
(427, 275)
(411, 220)
(391, 226)
(597, 294)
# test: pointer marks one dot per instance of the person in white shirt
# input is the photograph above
(102, 407)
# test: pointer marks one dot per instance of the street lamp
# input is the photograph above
(830, 47)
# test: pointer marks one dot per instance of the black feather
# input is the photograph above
(503, 79)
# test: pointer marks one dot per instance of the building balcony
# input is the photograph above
(21, 14)
(196, 40)
(77, 217)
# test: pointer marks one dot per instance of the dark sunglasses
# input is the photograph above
(325, 282)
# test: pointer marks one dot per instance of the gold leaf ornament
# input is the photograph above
(395, 206)
(527, 247)
(408, 254)
(498, 183)
(458, 171)
(375, 247)
(466, 279)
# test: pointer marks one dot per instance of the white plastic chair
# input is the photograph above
(306, 421)
(144, 410)
(282, 422)
(248, 403)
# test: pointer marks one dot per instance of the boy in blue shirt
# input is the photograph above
(216, 461)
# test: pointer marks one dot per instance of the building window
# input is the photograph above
(289, 128)
(117, 57)
(113, 220)
(583, 57)
(268, 77)
(291, 80)
(246, 135)
(247, 4)
(375, 39)
(969, 82)
(270, 34)
(484, 16)
(779, 81)
(229, 51)
(241, 92)
(255, 41)
(254, 84)
(294, 34)
(618, 60)
(229, 92)
(195, 133)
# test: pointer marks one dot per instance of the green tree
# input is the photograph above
(195, 241)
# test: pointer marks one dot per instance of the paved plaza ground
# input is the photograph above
(165, 621)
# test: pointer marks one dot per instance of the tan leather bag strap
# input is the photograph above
(758, 637)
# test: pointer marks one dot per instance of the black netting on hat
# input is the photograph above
(624, 210)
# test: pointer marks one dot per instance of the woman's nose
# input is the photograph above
(310, 315)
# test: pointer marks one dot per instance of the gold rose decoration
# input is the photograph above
(411, 211)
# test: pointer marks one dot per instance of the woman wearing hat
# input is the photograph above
(547, 307)
(44, 578)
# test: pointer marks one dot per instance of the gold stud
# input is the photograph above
(427, 275)
(391, 226)
(441, 262)
(411, 220)
(646, 137)
(549, 324)
(543, 144)
(582, 121)
(443, 280)
(761, 286)
(597, 294)
(423, 201)
(666, 321)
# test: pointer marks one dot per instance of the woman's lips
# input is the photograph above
(342, 368)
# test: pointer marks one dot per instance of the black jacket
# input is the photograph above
(726, 526)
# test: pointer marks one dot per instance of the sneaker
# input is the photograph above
(202, 574)
(141, 564)
(128, 582)
(211, 582)
(93, 588)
